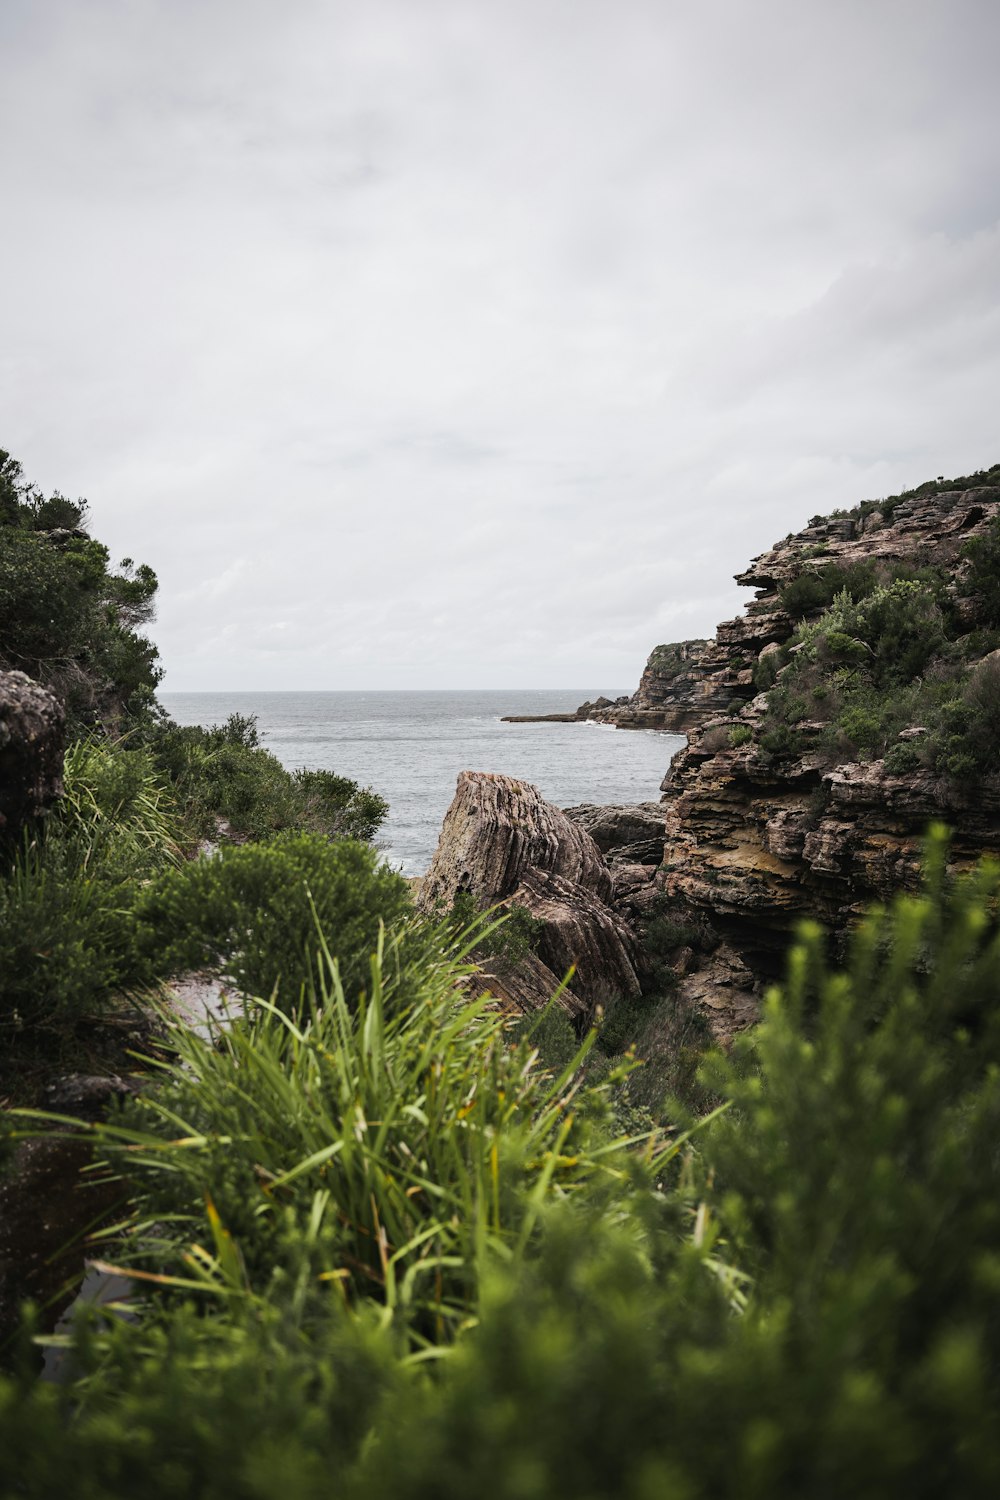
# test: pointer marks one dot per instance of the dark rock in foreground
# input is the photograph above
(32, 742)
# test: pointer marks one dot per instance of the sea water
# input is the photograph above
(410, 747)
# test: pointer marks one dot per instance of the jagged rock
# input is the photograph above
(497, 829)
(32, 742)
(501, 841)
(754, 841)
(85, 1093)
(625, 835)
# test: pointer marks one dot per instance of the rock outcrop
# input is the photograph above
(677, 689)
(756, 841)
(32, 729)
(502, 843)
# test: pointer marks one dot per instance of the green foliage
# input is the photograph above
(804, 1307)
(254, 910)
(66, 617)
(815, 588)
(939, 486)
(225, 773)
(383, 1150)
(67, 933)
(981, 581)
(511, 933)
(740, 734)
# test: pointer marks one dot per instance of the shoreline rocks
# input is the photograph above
(502, 843)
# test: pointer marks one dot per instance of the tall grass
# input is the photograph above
(382, 1148)
(67, 934)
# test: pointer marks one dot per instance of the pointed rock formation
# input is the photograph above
(501, 842)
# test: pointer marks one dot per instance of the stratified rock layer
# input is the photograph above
(754, 843)
(501, 842)
(32, 742)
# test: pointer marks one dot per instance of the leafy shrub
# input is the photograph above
(67, 930)
(981, 582)
(515, 932)
(805, 1306)
(66, 617)
(967, 738)
(901, 759)
(740, 734)
(255, 911)
(780, 740)
(225, 773)
(816, 588)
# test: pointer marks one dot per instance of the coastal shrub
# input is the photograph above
(966, 741)
(815, 588)
(67, 617)
(257, 911)
(981, 580)
(225, 773)
(767, 667)
(67, 930)
(382, 1149)
(740, 734)
(513, 934)
(902, 758)
(803, 1304)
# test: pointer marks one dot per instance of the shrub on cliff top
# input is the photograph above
(67, 930)
(67, 618)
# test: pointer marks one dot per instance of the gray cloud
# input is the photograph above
(462, 343)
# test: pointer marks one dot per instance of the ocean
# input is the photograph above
(410, 747)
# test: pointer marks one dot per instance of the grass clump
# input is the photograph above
(379, 1149)
(68, 938)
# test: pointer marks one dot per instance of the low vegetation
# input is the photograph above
(896, 652)
(382, 1240)
(380, 1250)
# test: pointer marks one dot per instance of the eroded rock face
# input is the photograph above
(631, 835)
(754, 842)
(32, 742)
(501, 841)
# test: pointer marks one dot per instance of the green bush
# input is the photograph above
(68, 937)
(902, 758)
(804, 1306)
(816, 588)
(66, 617)
(512, 932)
(225, 773)
(981, 582)
(254, 910)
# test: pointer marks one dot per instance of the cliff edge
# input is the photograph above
(855, 701)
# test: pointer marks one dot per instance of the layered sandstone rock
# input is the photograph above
(755, 842)
(501, 842)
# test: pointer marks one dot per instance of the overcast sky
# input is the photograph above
(456, 343)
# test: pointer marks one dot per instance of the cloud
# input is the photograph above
(457, 345)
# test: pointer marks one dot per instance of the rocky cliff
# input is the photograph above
(863, 689)
(853, 703)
